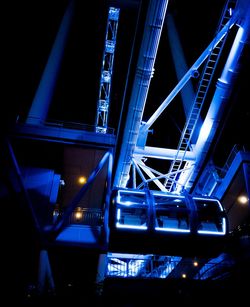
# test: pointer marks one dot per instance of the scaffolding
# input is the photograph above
(106, 71)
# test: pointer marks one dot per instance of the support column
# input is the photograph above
(101, 272)
(187, 92)
(41, 102)
(224, 86)
(144, 72)
(45, 277)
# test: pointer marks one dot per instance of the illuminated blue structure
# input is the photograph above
(134, 208)
(171, 213)
(140, 218)
(106, 71)
(187, 159)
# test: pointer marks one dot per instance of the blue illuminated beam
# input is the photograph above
(144, 72)
(223, 90)
(188, 75)
(214, 231)
(163, 153)
(41, 102)
(172, 229)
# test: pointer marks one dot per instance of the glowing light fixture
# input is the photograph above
(172, 229)
(195, 263)
(82, 180)
(78, 214)
(242, 199)
(140, 227)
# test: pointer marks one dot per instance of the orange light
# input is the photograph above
(82, 180)
(78, 215)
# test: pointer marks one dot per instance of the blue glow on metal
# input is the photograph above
(210, 200)
(188, 75)
(170, 229)
(133, 265)
(114, 13)
(127, 202)
(220, 233)
(205, 130)
(132, 213)
(127, 268)
(232, 61)
(127, 226)
(178, 198)
(118, 214)
(106, 71)
(139, 227)
(144, 71)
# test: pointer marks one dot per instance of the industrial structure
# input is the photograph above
(153, 195)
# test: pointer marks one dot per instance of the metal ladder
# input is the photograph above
(178, 165)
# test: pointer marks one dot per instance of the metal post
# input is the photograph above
(45, 274)
(40, 105)
(224, 86)
(144, 72)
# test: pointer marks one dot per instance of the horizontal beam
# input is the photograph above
(60, 134)
(164, 153)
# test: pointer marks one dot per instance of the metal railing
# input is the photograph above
(151, 267)
(139, 266)
(82, 216)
